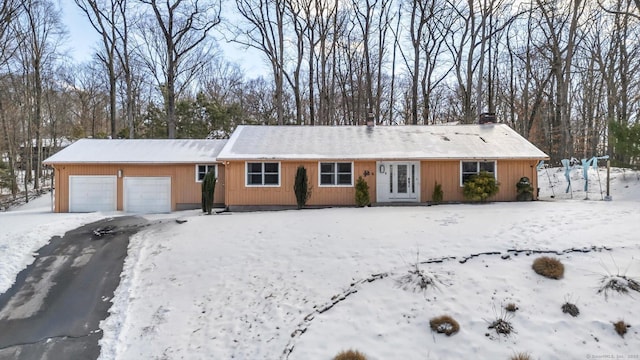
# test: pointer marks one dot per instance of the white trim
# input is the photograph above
(246, 173)
(495, 168)
(215, 170)
(335, 173)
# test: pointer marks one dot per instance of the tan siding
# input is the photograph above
(447, 173)
(185, 189)
(237, 193)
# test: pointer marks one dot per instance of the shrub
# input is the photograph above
(548, 267)
(502, 325)
(621, 327)
(301, 187)
(362, 192)
(511, 307)
(618, 283)
(437, 195)
(521, 356)
(571, 309)
(525, 190)
(208, 189)
(444, 324)
(480, 187)
(350, 355)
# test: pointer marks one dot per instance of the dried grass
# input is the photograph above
(621, 327)
(521, 356)
(548, 267)
(350, 355)
(444, 325)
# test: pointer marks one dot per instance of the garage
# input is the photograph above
(147, 194)
(92, 193)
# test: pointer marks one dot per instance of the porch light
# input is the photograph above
(119, 173)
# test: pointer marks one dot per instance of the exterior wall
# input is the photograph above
(238, 194)
(185, 191)
(446, 173)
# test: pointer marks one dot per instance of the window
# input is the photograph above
(263, 174)
(202, 170)
(336, 174)
(470, 168)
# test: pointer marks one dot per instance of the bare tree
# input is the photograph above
(184, 26)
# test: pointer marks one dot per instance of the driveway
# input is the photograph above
(56, 304)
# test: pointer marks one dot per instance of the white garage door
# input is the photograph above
(147, 194)
(92, 193)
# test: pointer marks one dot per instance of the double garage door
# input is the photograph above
(100, 193)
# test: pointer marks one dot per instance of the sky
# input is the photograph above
(83, 40)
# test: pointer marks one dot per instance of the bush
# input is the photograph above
(437, 195)
(208, 189)
(617, 283)
(521, 356)
(301, 187)
(480, 187)
(362, 192)
(548, 267)
(511, 307)
(444, 324)
(350, 355)
(621, 327)
(571, 309)
(525, 190)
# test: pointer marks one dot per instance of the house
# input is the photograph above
(399, 163)
(134, 175)
(256, 167)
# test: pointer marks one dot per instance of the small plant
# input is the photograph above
(362, 193)
(521, 356)
(617, 283)
(525, 190)
(548, 267)
(350, 355)
(444, 324)
(571, 309)
(502, 325)
(208, 189)
(621, 327)
(511, 307)
(301, 187)
(437, 195)
(480, 187)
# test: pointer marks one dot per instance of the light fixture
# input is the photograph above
(119, 173)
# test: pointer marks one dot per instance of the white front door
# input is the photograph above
(398, 181)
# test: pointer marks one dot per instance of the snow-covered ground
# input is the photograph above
(308, 284)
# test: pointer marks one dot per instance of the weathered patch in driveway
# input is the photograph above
(56, 304)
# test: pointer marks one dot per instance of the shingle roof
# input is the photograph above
(139, 151)
(488, 141)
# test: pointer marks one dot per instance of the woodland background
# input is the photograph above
(564, 73)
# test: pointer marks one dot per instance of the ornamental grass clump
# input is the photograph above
(548, 267)
(521, 356)
(350, 355)
(621, 327)
(444, 324)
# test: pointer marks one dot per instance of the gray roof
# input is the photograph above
(139, 151)
(488, 141)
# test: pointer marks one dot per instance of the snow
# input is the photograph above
(308, 284)
(489, 141)
(139, 151)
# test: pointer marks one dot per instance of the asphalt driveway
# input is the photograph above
(56, 304)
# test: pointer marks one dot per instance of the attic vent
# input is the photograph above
(481, 138)
(445, 138)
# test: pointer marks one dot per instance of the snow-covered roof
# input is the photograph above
(487, 141)
(139, 151)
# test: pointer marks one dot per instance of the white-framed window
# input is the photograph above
(203, 169)
(335, 173)
(470, 168)
(262, 174)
